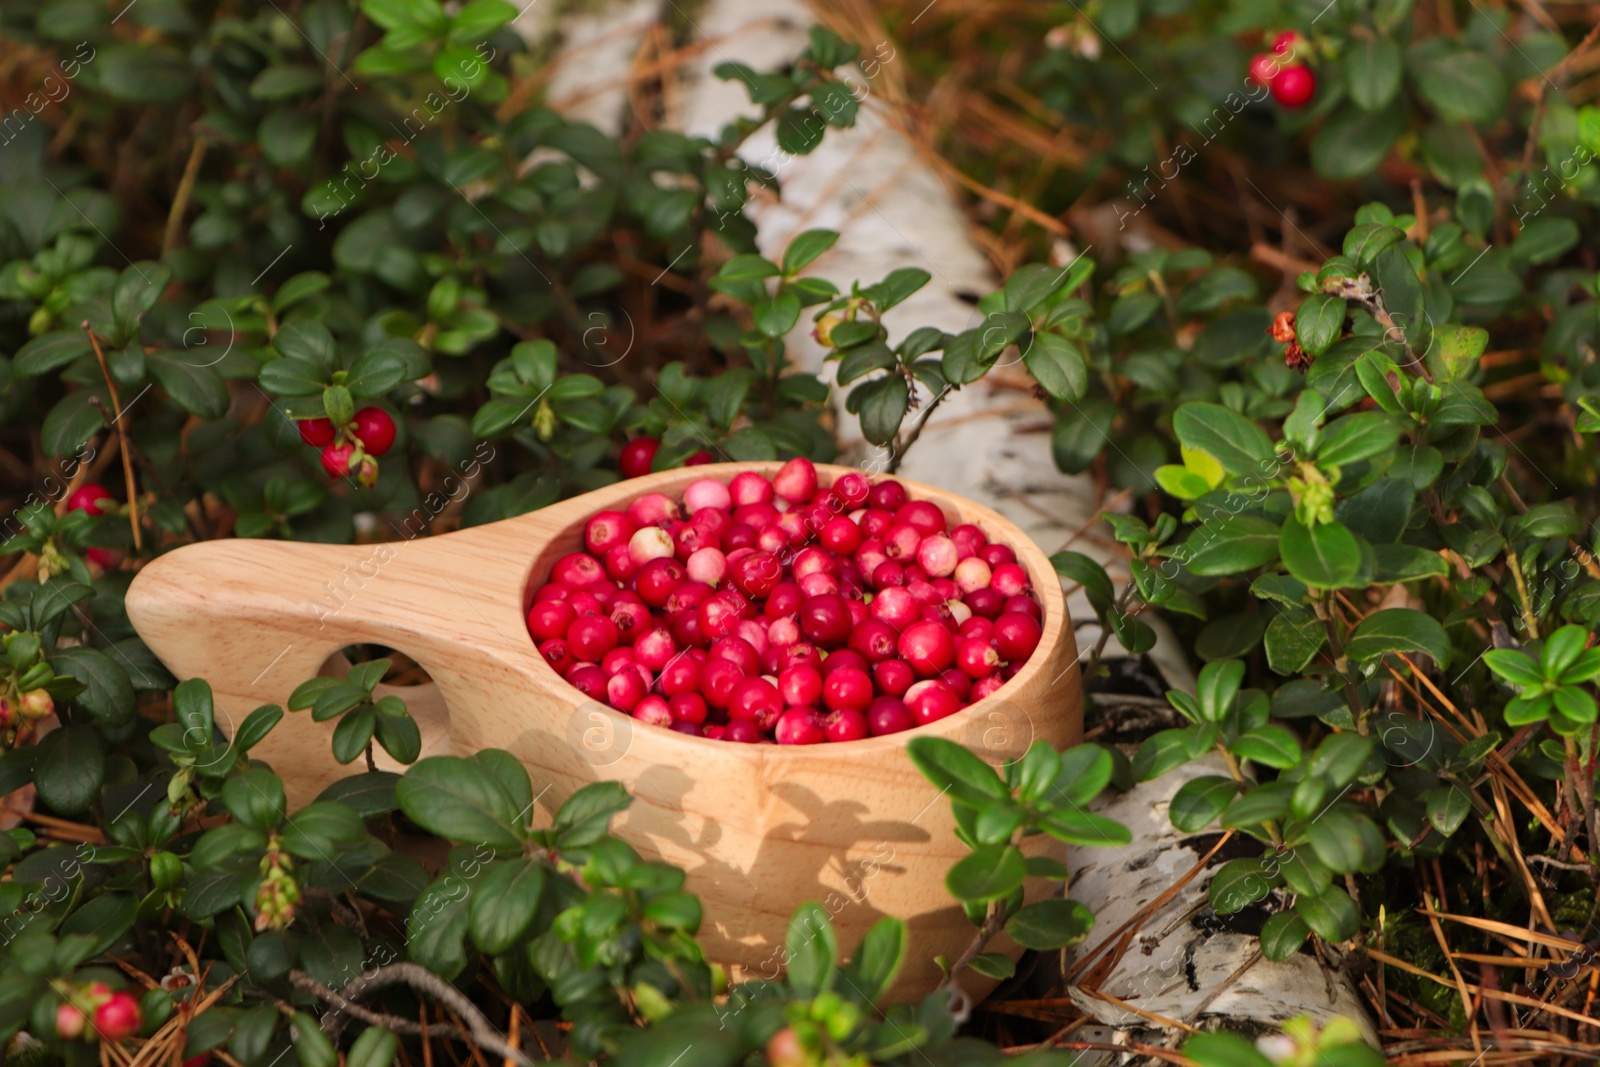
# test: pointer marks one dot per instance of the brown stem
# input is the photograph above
(180, 200)
(478, 1029)
(122, 440)
(1352, 692)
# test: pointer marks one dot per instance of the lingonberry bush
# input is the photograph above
(331, 272)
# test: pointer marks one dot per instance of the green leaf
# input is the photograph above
(883, 406)
(988, 873)
(1292, 642)
(799, 132)
(1562, 649)
(805, 248)
(1357, 437)
(49, 352)
(1282, 935)
(776, 316)
(1228, 437)
(1353, 142)
(897, 286)
(143, 73)
(1448, 807)
(955, 771)
(318, 831)
(1223, 1050)
(877, 959)
(1238, 884)
(1346, 842)
(503, 904)
(1325, 555)
(79, 416)
(1050, 924)
(453, 798)
(1232, 544)
(1460, 84)
(1200, 802)
(810, 951)
(1319, 322)
(199, 390)
(1545, 240)
(69, 768)
(996, 965)
(1333, 915)
(479, 19)
(293, 377)
(1398, 630)
(282, 82)
(104, 920)
(108, 694)
(137, 290)
(1271, 745)
(1058, 365)
(376, 1047)
(1372, 71)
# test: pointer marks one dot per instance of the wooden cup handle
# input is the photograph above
(257, 618)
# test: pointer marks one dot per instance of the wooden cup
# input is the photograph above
(758, 828)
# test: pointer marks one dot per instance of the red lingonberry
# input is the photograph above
(977, 659)
(799, 726)
(825, 620)
(336, 460)
(1265, 68)
(849, 687)
(69, 1022)
(1294, 86)
(845, 724)
(930, 701)
(374, 429)
(927, 646)
(606, 530)
(893, 677)
(1016, 636)
(637, 455)
(89, 497)
(654, 710)
(795, 481)
(800, 685)
(888, 715)
(316, 432)
(887, 495)
(698, 459)
(687, 707)
(117, 1018)
(550, 618)
(591, 636)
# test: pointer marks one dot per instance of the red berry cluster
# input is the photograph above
(355, 447)
(775, 609)
(1292, 84)
(94, 499)
(115, 1016)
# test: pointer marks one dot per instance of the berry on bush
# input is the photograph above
(316, 432)
(1294, 86)
(747, 623)
(89, 497)
(117, 1018)
(374, 429)
(637, 456)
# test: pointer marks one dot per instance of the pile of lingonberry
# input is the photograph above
(772, 609)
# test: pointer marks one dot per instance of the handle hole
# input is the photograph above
(408, 680)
